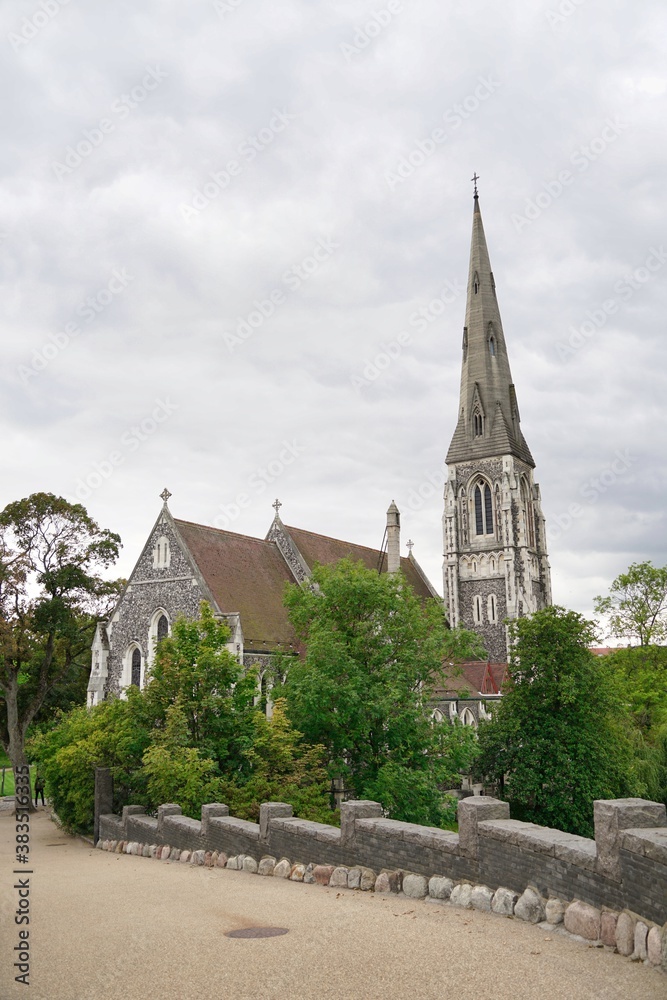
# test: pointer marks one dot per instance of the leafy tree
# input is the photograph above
(50, 596)
(642, 674)
(283, 768)
(373, 651)
(194, 669)
(636, 606)
(561, 736)
(112, 735)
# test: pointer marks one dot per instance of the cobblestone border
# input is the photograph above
(624, 932)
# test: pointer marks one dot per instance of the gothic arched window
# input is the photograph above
(477, 424)
(483, 509)
(136, 667)
(162, 630)
(475, 282)
(492, 346)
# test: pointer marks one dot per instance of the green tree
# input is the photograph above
(194, 669)
(114, 735)
(636, 607)
(373, 650)
(561, 735)
(50, 595)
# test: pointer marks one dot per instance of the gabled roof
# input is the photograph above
(248, 575)
(245, 575)
(322, 549)
(478, 677)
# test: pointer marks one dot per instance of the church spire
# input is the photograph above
(488, 421)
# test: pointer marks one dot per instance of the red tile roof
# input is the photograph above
(322, 549)
(479, 677)
(248, 575)
(245, 575)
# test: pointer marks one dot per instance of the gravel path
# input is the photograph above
(115, 927)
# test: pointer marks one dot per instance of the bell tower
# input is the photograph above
(495, 553)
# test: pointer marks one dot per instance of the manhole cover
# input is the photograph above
(257, 932)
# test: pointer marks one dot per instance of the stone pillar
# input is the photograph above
(473, 811)
(170, 809)
(269, 810)
(103, 798)
(350, 812)
(207, 814)
(393, 539)
(611, 817)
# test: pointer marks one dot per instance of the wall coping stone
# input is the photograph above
(182, 823)
(268, 811)
(412, 833)
(612, 817)
(243, 826)
(542, 840)
(650, 843)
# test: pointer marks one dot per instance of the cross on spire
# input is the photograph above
(165, 494)
(276, 506)
(474, 179)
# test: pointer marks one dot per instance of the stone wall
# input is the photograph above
(625, 867)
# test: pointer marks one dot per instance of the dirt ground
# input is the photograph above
(115, 927)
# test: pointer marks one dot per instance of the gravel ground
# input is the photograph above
(115, 927)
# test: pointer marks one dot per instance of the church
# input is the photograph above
(495, 558)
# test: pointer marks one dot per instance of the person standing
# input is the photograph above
(39, 789)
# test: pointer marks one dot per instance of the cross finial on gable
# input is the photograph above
(276, 506)
(165, 494)
(410, 545)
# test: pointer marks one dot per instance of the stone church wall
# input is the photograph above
(173, 587)
(625, 867)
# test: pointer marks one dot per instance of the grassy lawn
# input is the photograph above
(9, 776)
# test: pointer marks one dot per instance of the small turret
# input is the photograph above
(393, 538)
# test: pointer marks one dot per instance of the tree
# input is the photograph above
(373, 650)
(50, 595)
(636, 606)
(561, 735)
(194, 669)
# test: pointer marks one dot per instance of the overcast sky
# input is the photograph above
(234, 241)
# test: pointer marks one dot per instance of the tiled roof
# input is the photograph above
(479, 677)
(248, 575)
(322, 549)
(245, 575)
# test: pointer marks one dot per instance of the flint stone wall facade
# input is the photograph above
(624, 868)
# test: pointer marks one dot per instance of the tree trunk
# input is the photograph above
(16, 733)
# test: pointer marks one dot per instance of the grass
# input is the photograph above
(5, 765)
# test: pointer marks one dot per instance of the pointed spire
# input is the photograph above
(488, 421)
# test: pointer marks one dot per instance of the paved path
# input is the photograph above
(114, 927)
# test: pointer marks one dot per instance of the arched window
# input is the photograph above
(162, 628)
(465, 342)
(477, 424)
(492, 346)
(491, 608)
(136, 667)
(475, 283)
(437, 716)
(483, 509)
(467, 718)
(477, 609)
(527, 510)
